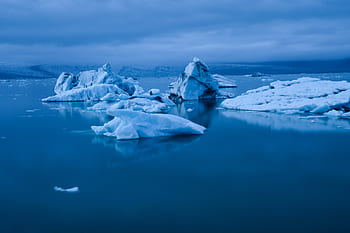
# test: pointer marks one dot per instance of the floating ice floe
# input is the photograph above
(196, 82)
(92, 85)
(257, 74)
(133, 125)
(151, 102)
(224, 82)
(310, 95)
(69, 190)
(134, 104)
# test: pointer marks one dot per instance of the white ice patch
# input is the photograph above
(134, 125)
(69, 190)
(310, 95)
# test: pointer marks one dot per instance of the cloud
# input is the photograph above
(138, 31)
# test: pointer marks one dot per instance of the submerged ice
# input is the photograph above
(310, 95)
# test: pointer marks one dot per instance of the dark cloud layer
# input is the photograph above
(162, 31)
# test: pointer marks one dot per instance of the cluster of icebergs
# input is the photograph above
(138, 113)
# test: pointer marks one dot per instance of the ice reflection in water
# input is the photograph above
(200, 112)
(301, 123)
(70, 109)
(144, 148)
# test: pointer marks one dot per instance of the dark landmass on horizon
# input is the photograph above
(226, 68)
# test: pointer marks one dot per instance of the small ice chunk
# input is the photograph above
(334, 113)
(346, 115)
(69, 190)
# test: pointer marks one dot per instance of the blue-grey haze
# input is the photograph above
(164, 32)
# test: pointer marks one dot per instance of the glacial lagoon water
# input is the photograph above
(250, 172)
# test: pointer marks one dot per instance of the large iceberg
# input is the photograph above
(310, 95)
(133, 125)
(92, 85)
(196, 82)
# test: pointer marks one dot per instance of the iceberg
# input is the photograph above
(303, 95)
(133, 125)
(92, 93)
(92, 85)
(196, 82)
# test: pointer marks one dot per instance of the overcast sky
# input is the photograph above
(169, 32)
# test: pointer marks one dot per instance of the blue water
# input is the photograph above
(243, 175)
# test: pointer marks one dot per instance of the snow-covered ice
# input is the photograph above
(196, 82)
(92, 85)
(69, 190)
(311, 95)
(133, 125)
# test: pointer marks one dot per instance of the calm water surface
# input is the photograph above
(249, 172)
